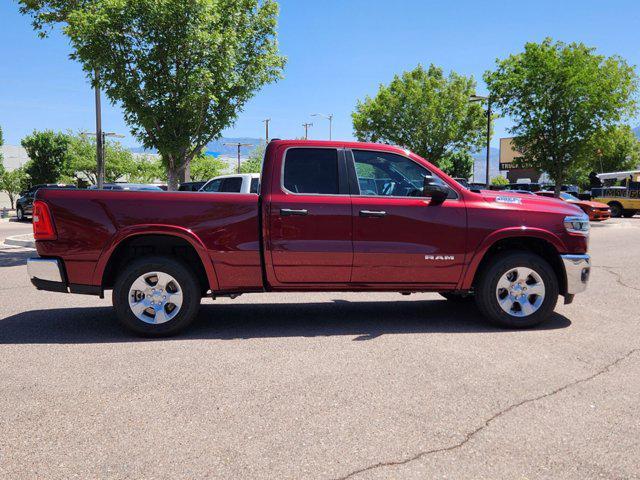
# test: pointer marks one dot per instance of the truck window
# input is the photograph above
(311, 170)
(255, 184)
(232, 184)
(212, 186)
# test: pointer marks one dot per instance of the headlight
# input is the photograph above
(577, 224)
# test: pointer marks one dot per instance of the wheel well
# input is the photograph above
(535, 245)
(143, 245)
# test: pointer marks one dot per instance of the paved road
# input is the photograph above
(8, 229)
(327, 386)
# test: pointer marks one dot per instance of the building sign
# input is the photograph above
(508, 155)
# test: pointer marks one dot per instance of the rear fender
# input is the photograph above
(511, 232)
(171, 230)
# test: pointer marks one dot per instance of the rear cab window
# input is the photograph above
(311, 171)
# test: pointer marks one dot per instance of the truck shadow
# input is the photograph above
(362, 320)
(10, 258)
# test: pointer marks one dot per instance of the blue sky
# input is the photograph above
(338, 51)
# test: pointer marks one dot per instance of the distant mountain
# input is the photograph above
(480, 164)
(218, 147)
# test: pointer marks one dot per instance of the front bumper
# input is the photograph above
(47, 274)
(577, 269)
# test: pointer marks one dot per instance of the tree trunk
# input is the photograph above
(172, 178)
(559, 179)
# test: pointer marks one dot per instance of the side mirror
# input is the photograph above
(436, 191)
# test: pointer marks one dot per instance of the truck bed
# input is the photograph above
(223, 228)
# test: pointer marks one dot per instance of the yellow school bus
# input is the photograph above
(623, 197)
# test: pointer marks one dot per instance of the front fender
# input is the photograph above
(505, 233)
(155, 229)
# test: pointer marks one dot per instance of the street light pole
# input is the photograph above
(478, 98)
(328, 117)
(266, 126)
(239, 146)
(99, 135)
(101, 141)
(306, 129)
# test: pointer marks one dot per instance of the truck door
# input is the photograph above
(310, 218)
(398, 237)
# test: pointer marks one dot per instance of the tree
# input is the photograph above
(425, 111)
(119, 162)
(12, 182)
(559, 96)
(181, 71)
(499, 180)
(147, 169)
(47, 151)
(458, 164)
(253, 164)
(612, 150)
(205, 167)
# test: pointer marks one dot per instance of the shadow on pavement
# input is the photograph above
(363, 320)
(10, 258)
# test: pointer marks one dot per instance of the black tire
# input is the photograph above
(20, 214)
(189, 287)
(487, 287)
(457, 297)
(616, 209)
(629, 213)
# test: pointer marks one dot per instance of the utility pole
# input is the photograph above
(306, 129)
(266, 128)
(99, 137)
(478, 98)
(328, 117)
(239, 146)
(101, 141)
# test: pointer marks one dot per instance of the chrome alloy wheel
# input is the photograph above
(155, 297)
(520, 291)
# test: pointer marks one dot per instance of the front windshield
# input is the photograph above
(569, 197)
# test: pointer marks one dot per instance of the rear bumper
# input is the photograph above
(48, 274)
(577, 269)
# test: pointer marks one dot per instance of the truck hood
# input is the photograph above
(525, 202)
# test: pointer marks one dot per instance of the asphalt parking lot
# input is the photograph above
(325, 386)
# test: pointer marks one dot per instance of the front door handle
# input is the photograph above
(372, 213)
(285, 212)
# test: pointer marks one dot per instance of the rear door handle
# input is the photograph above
(285, 212)
(372, 213)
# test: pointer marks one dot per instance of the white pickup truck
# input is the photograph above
(237, 183)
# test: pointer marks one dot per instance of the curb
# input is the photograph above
(25, 240)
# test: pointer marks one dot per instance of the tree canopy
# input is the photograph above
(253, 164)
(47, 152)
(425, 111)
(12, 182)
(119, 162)
(205, 167)
(559, 97)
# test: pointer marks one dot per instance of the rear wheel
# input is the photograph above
(616, 209)
(20, 214)
(156, 296)
(629, 213)
(518, 290)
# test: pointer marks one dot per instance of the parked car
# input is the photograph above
(462, 181)
(597, 211)
(191, 186)
(314, 228)
(572, 189)
(24, 204)
(238, 183)
(529, 187)
(128, 186)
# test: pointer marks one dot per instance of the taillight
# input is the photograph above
(43, 228)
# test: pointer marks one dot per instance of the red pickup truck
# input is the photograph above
(330, 216)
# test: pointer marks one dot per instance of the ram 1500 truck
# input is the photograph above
(330, 216)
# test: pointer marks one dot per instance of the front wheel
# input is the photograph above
(518, 290)
(20, 214)
(156, 296)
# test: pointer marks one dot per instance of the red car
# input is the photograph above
(597, 211)
(330, 216)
